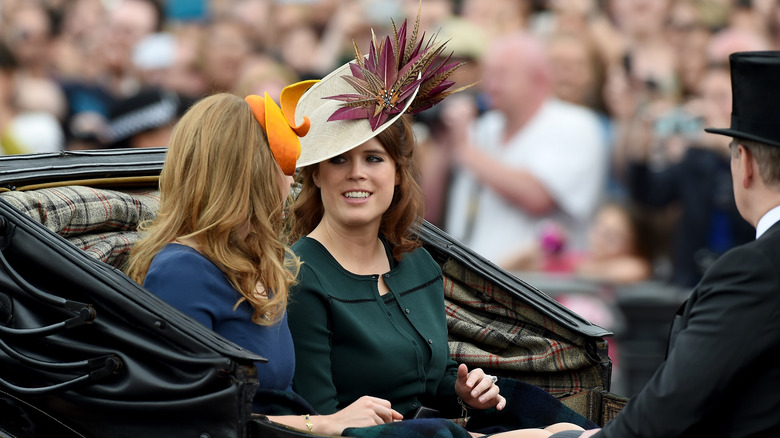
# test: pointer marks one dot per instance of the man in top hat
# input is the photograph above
(721, 376)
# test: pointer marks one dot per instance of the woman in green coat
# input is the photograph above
(367, 314)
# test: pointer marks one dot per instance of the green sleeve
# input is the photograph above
(447, 384)
(445, 399)
(309, 324)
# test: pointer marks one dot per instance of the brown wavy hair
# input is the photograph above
(406, 209)
(219, 188)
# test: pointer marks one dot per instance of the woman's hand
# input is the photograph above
(477, 389)
(365, 411)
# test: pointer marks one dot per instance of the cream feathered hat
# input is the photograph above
(363, 97)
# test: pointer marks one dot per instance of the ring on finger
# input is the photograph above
(493, 379)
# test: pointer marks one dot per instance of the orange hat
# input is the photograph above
(279, 123)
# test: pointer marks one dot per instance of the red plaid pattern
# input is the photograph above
(493, 329)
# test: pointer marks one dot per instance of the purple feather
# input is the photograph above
(409, 90)
(423, 107)
(418, 49)
(371, 64)
(440, 88)
(412, 61)
(346, 97)
(356, 71)
(401, 44)
(387, 70)
(378, 120)
(347, 113)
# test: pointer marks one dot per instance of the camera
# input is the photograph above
(678, 122)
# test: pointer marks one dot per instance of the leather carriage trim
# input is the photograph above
(120, 181)
(93, 369)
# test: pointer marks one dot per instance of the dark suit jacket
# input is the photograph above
(721, 377)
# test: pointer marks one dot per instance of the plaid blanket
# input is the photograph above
(100, 222)
(493, 329)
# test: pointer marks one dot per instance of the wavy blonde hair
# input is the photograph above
(219, 187)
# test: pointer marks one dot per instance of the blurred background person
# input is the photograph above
(223, 52)
(263, 74)
(8, 65)
(531, 158)
(467, 43)
(39, 101)
(695, 177)
(497, 17)
(145, 119)
(127, 23)
(25, 124)
(619, 250)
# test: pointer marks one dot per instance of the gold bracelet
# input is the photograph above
(307, 420)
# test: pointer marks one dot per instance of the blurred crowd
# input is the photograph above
(93, 74)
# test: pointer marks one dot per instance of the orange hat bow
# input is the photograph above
(279, 123)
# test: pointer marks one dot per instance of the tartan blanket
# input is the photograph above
(101, 222)
(493, 329)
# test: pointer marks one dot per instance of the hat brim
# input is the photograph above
(328, 139)
(742, 135)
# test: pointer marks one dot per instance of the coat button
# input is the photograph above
(408, 311)
(430, 341)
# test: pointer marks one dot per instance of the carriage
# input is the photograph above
(87, 352)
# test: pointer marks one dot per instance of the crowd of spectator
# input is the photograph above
(86, 74)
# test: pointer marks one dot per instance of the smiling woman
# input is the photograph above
(364, 165)
(366, 314)
(360, 182)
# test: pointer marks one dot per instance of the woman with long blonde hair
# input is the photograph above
(215, 250)
(217, 196)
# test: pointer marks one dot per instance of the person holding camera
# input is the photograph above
(683, 166)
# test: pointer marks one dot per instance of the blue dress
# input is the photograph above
(190, 282)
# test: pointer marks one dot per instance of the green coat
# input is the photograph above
(350, 341)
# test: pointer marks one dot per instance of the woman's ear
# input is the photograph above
(315, 176)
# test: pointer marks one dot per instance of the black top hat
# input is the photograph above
(755, 87)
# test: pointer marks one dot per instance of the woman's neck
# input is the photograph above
(358, 251)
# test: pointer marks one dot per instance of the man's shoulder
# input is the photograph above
(756, 262)
(767, 246)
